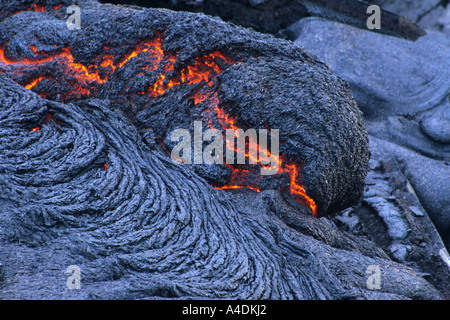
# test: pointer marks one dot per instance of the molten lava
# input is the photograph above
(85, 80)
(238, 177)
(47, 120)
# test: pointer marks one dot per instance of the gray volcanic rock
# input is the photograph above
(274, 16)
(430, 14)
(141, 229)
(429, 178)
(266, 98)
(142, 223)
(87, 182)
(391, 213)
(404, 93)
(81, 185)
(321, 127)
(407, 78)
(435, 123)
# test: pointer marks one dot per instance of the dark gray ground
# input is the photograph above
(406, 102)
(146, 228)
(430, 14)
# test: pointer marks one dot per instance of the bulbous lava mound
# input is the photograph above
(84, 158)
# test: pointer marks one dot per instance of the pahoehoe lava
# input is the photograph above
(143, 218)
(83, 158)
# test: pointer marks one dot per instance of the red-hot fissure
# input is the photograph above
(204, 69)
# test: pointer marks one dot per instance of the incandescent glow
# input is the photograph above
(34, 82)
(85, 80)
(238, 177)
(38, 8)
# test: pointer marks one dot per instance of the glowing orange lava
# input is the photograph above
(38, 8)
(34, 82)
(46, 121)
(86, 79)
(238, 176)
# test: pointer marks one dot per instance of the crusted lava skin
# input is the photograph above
(262, 82)
(94, 162)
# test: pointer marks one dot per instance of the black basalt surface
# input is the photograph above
(404, 94)
(315, 113)
(321, 126)
(155, 227)
(85, 178)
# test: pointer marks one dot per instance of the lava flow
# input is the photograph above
(238, 177)
(83, 81)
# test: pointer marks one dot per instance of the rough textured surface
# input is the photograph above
(274, 16)
(392, 206)
(406, 102)
(429, 178)
(330, 143)
(147, 228)
(142, 221)
(141, 229)
(290, 106)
